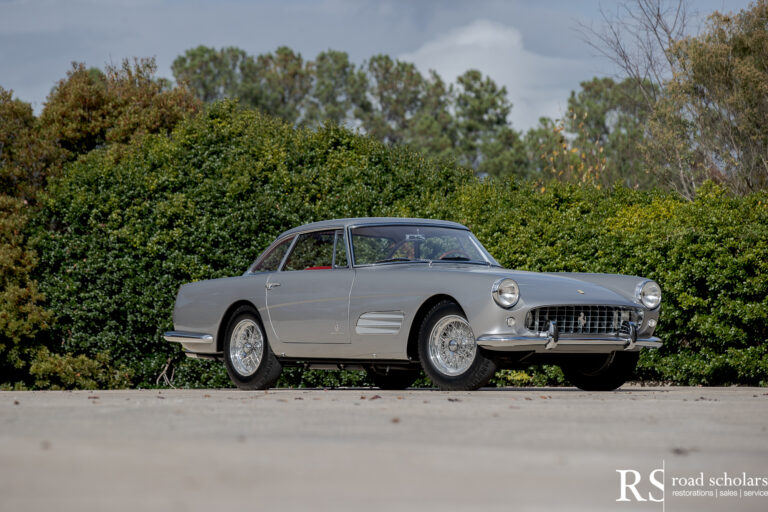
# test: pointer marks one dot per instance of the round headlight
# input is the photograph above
(650, 294)
(505, 292)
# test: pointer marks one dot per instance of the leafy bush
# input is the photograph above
(534, 376)
(22, 316)
(66, 371)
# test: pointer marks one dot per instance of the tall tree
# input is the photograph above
(706, 93)
(394, 97)
(336, 87)
(637, 36)
(212, 74)
(484, 135)
(141, 103)
(612, 115)
(25, 155)
(432, 129)
(278, 83)
(711, 120)
(89, 108)
(21, 315)
(77, 111)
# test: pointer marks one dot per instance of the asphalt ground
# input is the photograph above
(542, 449)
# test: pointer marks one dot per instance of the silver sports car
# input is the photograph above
(394, 296)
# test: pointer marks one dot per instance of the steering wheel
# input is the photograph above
(454, 252)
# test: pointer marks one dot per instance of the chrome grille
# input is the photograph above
(583, 319)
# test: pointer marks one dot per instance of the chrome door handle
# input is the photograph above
(272, 285)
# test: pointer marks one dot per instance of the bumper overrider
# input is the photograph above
(552, 341)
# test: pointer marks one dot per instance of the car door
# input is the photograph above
(308, 299)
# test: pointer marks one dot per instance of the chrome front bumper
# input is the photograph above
(562, 344)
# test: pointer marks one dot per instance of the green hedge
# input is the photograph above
(124, 227)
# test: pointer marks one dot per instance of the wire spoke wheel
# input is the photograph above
(452, 346)
(448, 350)
(246, 347)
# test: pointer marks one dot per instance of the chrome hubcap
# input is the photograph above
(452, 346)
(246, 347)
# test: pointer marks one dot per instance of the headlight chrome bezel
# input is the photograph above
(644, 293)
(501, 292)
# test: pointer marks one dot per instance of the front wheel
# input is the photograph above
(449, 353)
(249, 360)
(601, 372)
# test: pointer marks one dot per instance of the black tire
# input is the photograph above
(476, 375)
(601, 372)
(395, 378)
(268, 369)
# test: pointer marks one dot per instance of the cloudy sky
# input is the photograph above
(532, 47)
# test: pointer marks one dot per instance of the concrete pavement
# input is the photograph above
(371, 450)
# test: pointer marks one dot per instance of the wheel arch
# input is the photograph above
(426, 306)
(224, 323)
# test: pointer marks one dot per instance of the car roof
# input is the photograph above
(363, 221)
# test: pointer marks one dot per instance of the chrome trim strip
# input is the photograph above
(187, 337)
(509, 342)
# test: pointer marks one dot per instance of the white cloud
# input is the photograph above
(537, 85)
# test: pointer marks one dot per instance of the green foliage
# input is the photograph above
(394, 97)
(301, 378)
(22, 316)
(710, 366)
(89, 108)
(485, 142)
(534, 376)
(612, 116)
(125, 226)
(386, 98)
(336, 88)
(66, 371)
(25, 154)
(212, 74)
(279, 84)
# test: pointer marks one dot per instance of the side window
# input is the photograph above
(271, 260)
(340, 258)
(313, 251)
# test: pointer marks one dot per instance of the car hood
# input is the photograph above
(540, 288)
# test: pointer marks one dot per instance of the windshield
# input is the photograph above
(403, 243)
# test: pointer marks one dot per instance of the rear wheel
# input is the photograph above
(249, 360)
(601, 372)
(448, 351)
(394, 378)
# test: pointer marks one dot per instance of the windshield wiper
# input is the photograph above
(461, 259)
(390, 260)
